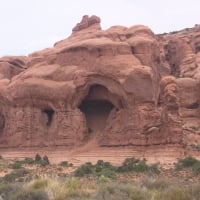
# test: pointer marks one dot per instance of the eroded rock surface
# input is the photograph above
(120, 87)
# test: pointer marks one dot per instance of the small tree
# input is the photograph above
(46, 159)
(38, 158)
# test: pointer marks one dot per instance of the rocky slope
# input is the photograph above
(116, 88)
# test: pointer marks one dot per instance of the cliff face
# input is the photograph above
(120, 87)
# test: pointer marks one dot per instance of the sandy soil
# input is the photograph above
(166, 155)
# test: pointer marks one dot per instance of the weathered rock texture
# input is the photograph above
(120, 87)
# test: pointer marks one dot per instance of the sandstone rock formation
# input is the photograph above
(120, 87)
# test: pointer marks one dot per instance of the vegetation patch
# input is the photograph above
(189, 162)
(65, 164)
(16, 175)
(136, 165)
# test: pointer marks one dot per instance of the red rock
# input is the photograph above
(119, 87)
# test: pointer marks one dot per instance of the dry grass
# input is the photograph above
(51, 186)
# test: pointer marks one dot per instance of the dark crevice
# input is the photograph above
(133, 50)
(175, 70)
(49, 113)
(193, 106)
(2, 123)
(197, 49)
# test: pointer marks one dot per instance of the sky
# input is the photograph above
(30, 25)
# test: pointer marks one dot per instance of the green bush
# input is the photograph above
(189, 162)
(29, 161)
(154, 169)
(17, 165)
(100, 169)
(128, 164)
(186, 162)
(41, 161)
(140, 167)
(46, 159)
(133, 165)
(104, 169)
(136, 165)
(102, 165)
(196, 168)
(64, 164)
(38, 158)
(85, 169)
(107, 173)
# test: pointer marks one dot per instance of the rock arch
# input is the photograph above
(96, 99)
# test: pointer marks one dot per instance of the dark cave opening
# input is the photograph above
(96, 107)
(96, 113)
(49, 113)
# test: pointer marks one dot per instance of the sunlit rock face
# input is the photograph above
(120, 87)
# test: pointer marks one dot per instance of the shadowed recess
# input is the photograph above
(49, 114)
(96, 107)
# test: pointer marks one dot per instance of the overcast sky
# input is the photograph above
(30, 25)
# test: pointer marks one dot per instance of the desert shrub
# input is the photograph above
(128, 164)
(38, 158)
(141, 166)
(196, 168)
(16, 165)
(186, 162)
(29, 161)
(154, 169)
(189, 162)
(85, 169)
(100, 165)
(135, 165)
(64, 164)
(46, 159)
(15, 175)
(42, 161)
(104, 169)
(100, 169)
(29, 194)
(107, 173)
